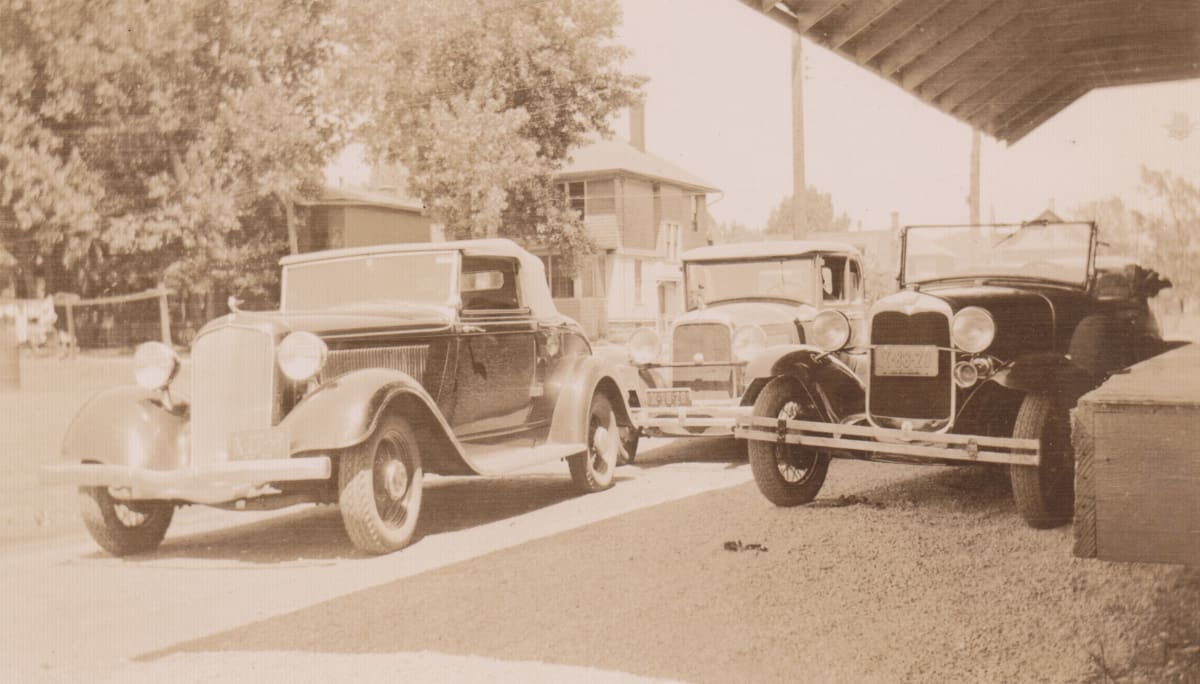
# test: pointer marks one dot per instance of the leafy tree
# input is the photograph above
(819, 213)
(151, 140)
(482, 101)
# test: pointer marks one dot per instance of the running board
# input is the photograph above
(498, 459)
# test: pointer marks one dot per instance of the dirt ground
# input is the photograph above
(895, 573)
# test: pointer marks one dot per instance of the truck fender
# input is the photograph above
(1047, 372)
(128, 426)
(344, 412)
(575, 382)
(836, 380)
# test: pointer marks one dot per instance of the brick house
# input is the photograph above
(642, 212)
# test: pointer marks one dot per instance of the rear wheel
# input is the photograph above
(123, 528)
(380, 485)
(593, 470)
(1044, 494)
(787, 474)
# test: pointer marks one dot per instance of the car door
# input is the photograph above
(497, 351)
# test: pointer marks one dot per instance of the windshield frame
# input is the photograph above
(1086, 283)
(452, 301)
(807, 256)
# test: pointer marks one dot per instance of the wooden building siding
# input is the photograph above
(638, 224)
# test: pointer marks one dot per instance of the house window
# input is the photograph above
(591, 275)
(562, 286)
(637, 282)
(576, 196)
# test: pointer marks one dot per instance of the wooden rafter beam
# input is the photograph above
(859, 16)
(928, 33)
(980, 63)
(968, 36)
(898, 22)
(810, 13)
(1021, 112)
(1038, 114)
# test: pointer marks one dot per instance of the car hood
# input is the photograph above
(1028, 319)
(737, 314)
(398, 318)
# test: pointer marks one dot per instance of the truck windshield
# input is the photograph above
(783, 278)
(1042, 251)
(417, 278)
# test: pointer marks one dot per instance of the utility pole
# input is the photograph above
(973, 197)
(799, 184)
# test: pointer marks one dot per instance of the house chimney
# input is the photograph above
(637, 126)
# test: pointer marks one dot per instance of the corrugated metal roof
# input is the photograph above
(1004, 66)
(617, 156)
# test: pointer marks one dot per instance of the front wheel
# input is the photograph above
(123, 528)
(787, 474)
(593, 470)
(380, 485)
(1044, 494)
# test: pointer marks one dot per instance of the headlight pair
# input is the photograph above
(301, 356)
(644, 345)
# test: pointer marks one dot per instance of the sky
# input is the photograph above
(718, 104)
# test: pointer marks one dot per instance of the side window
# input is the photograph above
(854, 282)
(833, 273)
(489, 284)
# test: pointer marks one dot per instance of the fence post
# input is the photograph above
(10, 354)
(164, 316)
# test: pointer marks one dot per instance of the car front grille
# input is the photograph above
(411, 359)
(713, 341)
(925, 401)
(233, 389)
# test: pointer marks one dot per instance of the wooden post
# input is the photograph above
(164, 316)
(71, 322)
(799, 183)
(973, 197)
(10, 354)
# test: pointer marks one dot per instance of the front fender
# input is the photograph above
(343, 412)
(574, 383)
(1047, 372)
(128, 426)
(836, 380)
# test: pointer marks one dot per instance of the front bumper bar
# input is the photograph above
(888, 441)
(209, 484)
(698, 420)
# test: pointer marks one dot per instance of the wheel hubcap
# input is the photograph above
(605, 446)
(395, 478)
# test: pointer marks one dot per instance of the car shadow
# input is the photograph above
(658, 452)
(314, 535)
(966, 489)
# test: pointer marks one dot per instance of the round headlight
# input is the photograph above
(831, 330)
(973, 330)
(302, 355)
(154, 365)
(748, 341)
(643, 346)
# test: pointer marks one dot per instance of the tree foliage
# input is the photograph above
(482, 100)
(143, 140)
(818, 210)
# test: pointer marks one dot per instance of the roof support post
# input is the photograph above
(799, 183)
(973, 196)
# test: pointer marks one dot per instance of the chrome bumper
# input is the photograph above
(209, 484)
(887, 441)
(698, 420)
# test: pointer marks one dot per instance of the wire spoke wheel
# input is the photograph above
(124, 527)
(381, 483)
(786, 474)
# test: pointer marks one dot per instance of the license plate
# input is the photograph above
(908, 360)
(676, 396)
(254, 445)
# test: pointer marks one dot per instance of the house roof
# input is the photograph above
(1003, 66)
(766, 249)
(366, 198)
(615, 157)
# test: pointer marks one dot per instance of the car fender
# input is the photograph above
(343, 412)
(836, 380)
(128, 426)
(574, 383)
(1047, 372)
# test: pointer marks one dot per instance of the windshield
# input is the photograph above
(419, 278)
(1054, 251)
(784, 278)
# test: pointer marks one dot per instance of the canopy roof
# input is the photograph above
(1004, 66)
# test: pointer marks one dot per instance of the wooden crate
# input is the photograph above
(1137, 463)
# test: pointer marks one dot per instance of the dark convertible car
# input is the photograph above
(382, 364)
(996, 333)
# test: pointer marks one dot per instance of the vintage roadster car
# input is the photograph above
(996, 333)
(741, 299)
(382, 364)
